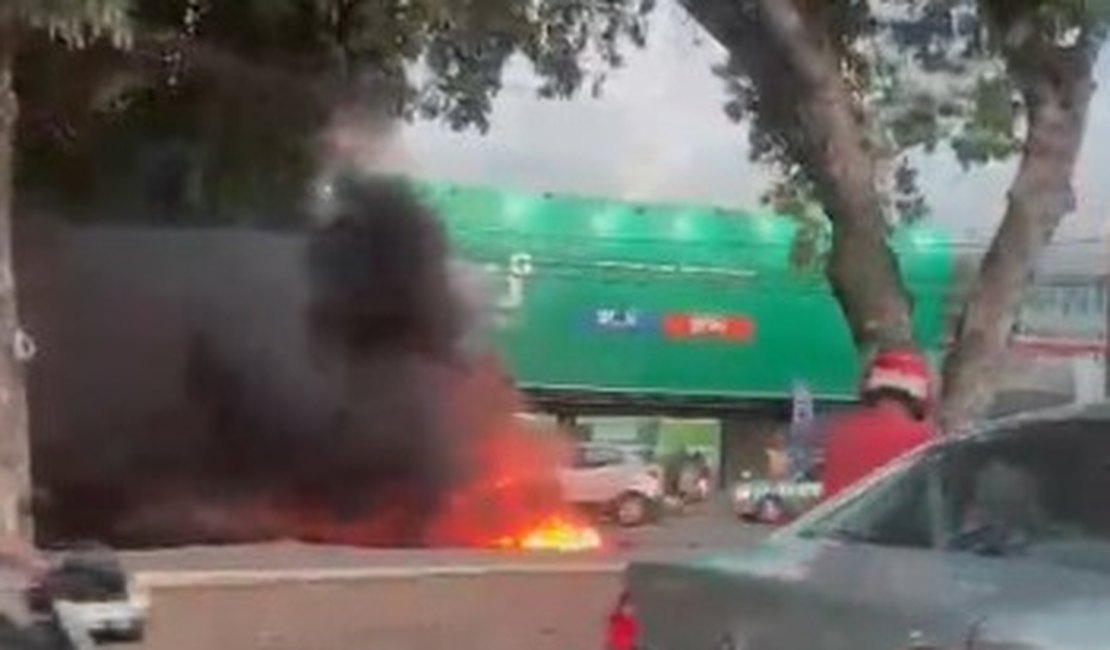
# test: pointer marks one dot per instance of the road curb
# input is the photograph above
(146, 581)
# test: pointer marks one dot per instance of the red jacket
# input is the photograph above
(867, 438)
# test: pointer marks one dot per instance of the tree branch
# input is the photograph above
(862, 269)
(1057, 85)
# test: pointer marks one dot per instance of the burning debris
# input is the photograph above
(342, 401)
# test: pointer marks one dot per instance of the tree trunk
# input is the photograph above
(862, 269)
(15, 466)
(1057, 86)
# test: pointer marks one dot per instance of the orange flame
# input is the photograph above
(512, 498)
(554, 534)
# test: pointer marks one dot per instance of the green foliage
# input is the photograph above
(235, 95)
(990, 132)
(78, 22)
(926, 74)
(438, 59)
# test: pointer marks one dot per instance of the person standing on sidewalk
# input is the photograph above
(893, 419)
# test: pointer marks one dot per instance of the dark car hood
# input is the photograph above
(1023, 603)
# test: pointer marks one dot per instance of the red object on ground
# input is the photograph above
(860, 442)
(623, 631)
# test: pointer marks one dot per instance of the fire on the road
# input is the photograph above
(506, 495)
(555, 534)
(511, 498)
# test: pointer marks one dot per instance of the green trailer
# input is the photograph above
(679, 303)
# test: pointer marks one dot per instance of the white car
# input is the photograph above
(87, 600)
(618, 480)
(768, 501)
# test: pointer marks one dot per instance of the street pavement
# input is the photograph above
(704, 527)
(297, 597)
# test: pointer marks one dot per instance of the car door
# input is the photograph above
(595, 475)
(1029, 533)
(995, 541)
(864, 574)
(608, 473)
(877, 578)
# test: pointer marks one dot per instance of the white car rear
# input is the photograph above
(616, 479)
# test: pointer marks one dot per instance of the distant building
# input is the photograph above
(1060, 334)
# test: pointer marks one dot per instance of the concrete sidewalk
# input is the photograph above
(398, 603)
(302, 597)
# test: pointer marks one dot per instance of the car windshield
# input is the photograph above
(1035, 490)
(591, 457)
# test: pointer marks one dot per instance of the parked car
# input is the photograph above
(618, 481)
(995, 540)
(767, 501)
(81, 600)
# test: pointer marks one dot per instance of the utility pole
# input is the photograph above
(15, 453)
(1104, 295)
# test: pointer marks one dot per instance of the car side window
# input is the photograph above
(597, 457)
(1041, 490)
(898, 511)
(1038, 489)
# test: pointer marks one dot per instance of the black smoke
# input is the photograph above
(386, 326)
(225, 386)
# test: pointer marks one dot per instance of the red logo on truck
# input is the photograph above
(733, 329)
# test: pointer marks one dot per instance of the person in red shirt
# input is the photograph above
(893, 419)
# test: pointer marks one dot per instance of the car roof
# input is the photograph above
(1098, 412)
(624, 450)
(599, 445)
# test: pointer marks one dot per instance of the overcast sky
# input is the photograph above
(659, 133)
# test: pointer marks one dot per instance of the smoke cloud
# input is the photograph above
(217, 386)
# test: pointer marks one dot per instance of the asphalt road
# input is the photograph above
(706, 527)
(295, 597)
